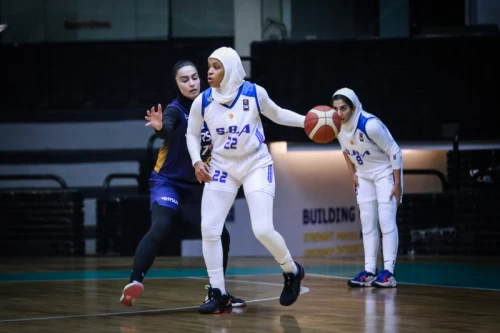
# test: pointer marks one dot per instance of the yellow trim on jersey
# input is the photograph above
(162, 157)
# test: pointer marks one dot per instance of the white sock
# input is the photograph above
(217, 280)
(289, 266)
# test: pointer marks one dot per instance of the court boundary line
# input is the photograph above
(410, 283)
(303, 290)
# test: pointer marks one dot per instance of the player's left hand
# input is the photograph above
(396, 192)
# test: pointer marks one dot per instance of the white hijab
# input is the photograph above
(350, 126)
(234, 75)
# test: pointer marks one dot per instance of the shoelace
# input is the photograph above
(365, 273)
(288, 281)
(210, 295)
(385, 274)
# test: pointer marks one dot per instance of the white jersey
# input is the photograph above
(372, 148)
(236, 129)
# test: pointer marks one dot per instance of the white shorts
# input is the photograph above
(378, 189)
(260, 179)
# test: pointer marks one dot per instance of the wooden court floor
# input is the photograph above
(82, 295)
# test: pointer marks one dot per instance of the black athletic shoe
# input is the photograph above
(291, 290)
(216, 302)
(237, 302)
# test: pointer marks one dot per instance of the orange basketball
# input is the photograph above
(322, 124)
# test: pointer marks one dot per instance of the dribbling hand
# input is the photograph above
(202, 172)
(155, 118)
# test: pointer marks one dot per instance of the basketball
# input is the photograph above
(322, 124)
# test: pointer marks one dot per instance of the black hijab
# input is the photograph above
(183, 100)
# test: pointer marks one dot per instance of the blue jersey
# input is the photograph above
(174, 163)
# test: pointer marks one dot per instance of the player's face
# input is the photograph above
(215, 73)
(344, 111)
(188, 81)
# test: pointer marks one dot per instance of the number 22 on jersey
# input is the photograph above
(232, 140)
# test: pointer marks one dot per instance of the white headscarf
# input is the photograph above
(234, 75)
(350, 126)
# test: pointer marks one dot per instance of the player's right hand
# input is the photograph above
(202, 172)
(355, 183)
(155, 118)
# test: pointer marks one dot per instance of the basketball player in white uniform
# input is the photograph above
(375, 163)
(231, 109)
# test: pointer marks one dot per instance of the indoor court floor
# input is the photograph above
(82, 295)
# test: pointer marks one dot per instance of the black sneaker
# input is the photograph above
(291, 290)
(216, 302)
(237, 302)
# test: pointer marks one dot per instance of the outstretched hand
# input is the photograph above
(155, 118)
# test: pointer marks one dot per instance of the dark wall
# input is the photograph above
(436, 16)
(334, 19)
(88, 76)
(413, 85)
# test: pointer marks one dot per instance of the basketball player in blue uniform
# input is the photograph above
(231, 109)
(172, 181)
(375, 164)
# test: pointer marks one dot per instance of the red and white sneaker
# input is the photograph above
(131, 292)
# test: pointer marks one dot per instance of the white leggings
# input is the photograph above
(215, 206)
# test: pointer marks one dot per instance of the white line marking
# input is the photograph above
(241, 281)
(408, 283)
(96, 315)
(303, 290)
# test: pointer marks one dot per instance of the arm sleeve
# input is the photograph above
(379, 134)
(193, 135)
(277, 114)
(170, 122)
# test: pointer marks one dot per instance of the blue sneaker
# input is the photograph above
(385, 280)
(363, 279)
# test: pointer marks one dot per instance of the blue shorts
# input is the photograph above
(172, 196)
